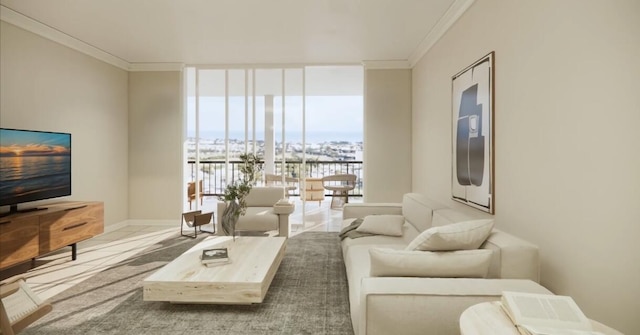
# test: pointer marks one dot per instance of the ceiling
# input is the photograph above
(246, 31)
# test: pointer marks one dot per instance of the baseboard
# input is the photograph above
(125, 223)
(115, 226)
(174, 223)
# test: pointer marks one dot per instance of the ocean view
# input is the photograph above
(332, 146)
(25, 175)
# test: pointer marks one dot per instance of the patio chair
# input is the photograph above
(191, 192)
(339, 185)
(290, 184)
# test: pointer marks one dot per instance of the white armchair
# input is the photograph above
(267, 210)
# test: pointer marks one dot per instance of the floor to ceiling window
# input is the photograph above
(305, 123)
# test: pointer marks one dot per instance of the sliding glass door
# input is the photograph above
(303, 122)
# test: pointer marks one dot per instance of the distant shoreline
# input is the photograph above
(290, 136)
(14, 155)
(329, 150)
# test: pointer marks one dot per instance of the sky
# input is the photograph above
(334, 98)
(30, 143)
(339, 114)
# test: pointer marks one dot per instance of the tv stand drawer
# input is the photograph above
(69, 225)
(28, 235)
(18, 240)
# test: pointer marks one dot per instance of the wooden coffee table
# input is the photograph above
(245, 280)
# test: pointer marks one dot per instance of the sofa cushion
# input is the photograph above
(456, 236)
(390, 225)
(264, 196)
(387, 262)
(418, 210)
(356, 262)
(409, 233)
(445, 216)
(258, 219)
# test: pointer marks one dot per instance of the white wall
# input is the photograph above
(567, 141)
(46, 86)
(387, 139)
(155, 146)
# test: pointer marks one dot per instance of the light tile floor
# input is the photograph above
(56, 272)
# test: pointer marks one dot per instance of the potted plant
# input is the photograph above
(236, 192)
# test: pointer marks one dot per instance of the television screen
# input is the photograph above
(34, 165)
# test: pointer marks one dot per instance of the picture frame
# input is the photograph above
(472, 110)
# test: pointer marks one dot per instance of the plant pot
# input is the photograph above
(230, 218)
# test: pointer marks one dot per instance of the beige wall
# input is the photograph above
(567, 142)
(155, 150)
(46, 86)
(387, 119)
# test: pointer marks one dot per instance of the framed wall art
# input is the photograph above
(472, 121)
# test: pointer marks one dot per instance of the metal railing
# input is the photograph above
(212, 173)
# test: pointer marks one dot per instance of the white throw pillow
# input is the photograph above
(456, 236)
(444, 264)
(390, 225)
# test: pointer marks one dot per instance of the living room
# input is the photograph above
(566, 116)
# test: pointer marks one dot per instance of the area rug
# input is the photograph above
(307, 296)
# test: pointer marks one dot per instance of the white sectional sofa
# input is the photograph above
(427, 305)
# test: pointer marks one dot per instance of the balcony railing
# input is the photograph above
(212, 173)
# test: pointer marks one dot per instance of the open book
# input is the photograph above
(539, 314)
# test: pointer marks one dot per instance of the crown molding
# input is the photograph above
(446, 21)
(386, 64)
(10, 16)
(19, 20)
(139, 67)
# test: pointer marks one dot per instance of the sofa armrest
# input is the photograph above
(284, 206)
(400, 306)
(360, 210)
(514, 258)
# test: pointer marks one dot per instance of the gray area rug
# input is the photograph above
(307, 296)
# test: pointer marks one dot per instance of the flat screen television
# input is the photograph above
(34, 165)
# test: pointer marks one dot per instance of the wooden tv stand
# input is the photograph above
(25, 236)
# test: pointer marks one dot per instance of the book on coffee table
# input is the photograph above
(545, 314)
(215, 256)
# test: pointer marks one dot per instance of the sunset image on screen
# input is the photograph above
(34, 165)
